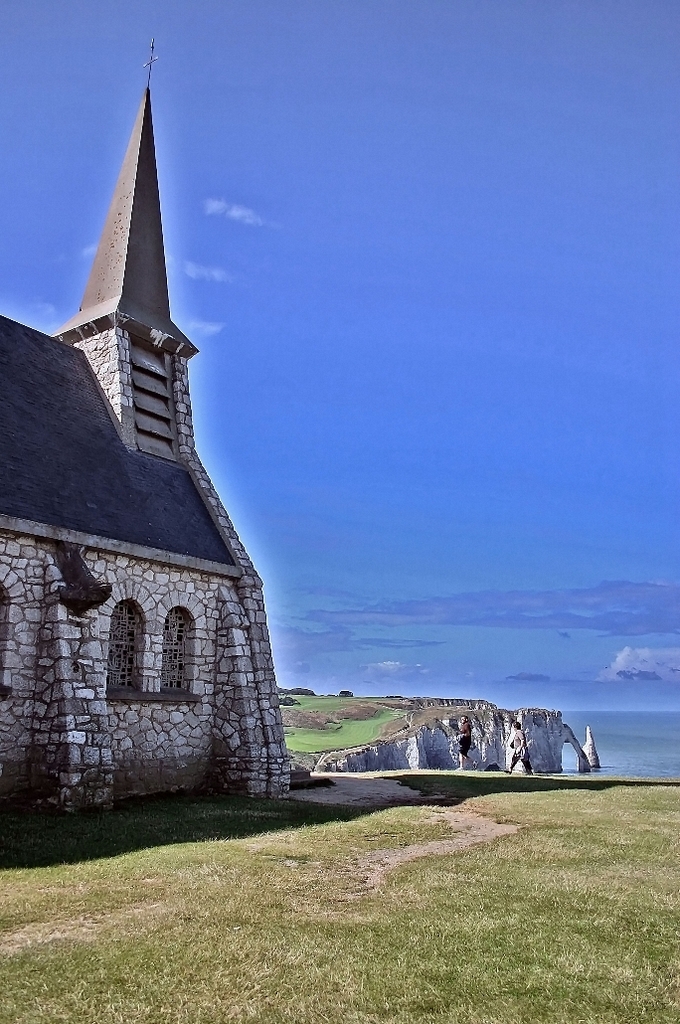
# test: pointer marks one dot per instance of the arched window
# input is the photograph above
(124, 638)
(175, 648)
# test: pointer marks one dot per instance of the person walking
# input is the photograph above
(520, 751)
(464, 742)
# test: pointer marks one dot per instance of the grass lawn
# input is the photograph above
(204, 911)
(338, 736)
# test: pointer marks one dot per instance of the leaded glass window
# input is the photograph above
(123, 640)
(175, 632)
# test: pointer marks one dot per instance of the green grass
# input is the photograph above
(205, 911)
(338, 736)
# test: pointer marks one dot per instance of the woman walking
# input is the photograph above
(520, 751)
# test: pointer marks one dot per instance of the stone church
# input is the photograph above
(134, 649)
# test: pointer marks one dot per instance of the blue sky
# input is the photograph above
(429, 253)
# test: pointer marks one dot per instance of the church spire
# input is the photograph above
(128, 283)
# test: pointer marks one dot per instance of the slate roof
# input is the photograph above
(62, 462)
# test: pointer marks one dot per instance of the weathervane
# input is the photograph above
(149, 64)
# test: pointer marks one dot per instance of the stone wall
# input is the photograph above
(63, 737)
(160, 746)
(108, 353)
(22, 586)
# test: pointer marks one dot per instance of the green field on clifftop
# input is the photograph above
(318, 724)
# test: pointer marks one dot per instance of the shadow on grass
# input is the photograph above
(463, 786)
(31, 839)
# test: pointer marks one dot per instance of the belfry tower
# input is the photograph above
(123, 324)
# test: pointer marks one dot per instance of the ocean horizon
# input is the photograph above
(629, 743)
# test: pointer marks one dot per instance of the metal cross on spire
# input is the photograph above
(149, 64)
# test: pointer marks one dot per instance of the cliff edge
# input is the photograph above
(435, 745)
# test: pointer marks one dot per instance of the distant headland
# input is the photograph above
(345, 733)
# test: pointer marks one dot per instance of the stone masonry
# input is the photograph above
(65, 740)
(108, 353)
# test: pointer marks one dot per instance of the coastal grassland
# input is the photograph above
(204, 911)
(319, 724)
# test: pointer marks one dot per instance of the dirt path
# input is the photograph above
(471, 830)
(358, 790)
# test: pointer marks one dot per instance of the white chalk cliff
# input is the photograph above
(590, 749)
(436, 745)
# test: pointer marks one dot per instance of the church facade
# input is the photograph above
(134, 650)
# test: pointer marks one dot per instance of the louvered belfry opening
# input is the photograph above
(175, 638)
(152, 397)
(123, 644)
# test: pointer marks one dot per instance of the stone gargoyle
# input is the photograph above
(81, 591)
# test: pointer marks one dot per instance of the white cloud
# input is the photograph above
(205, 327)
(394, 670)
(89, 251)
(389, 667)
(644, 664)
(234, 211)
(197, 272)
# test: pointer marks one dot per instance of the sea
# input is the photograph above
(642, 743)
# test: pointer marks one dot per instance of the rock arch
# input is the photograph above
(569, 737)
